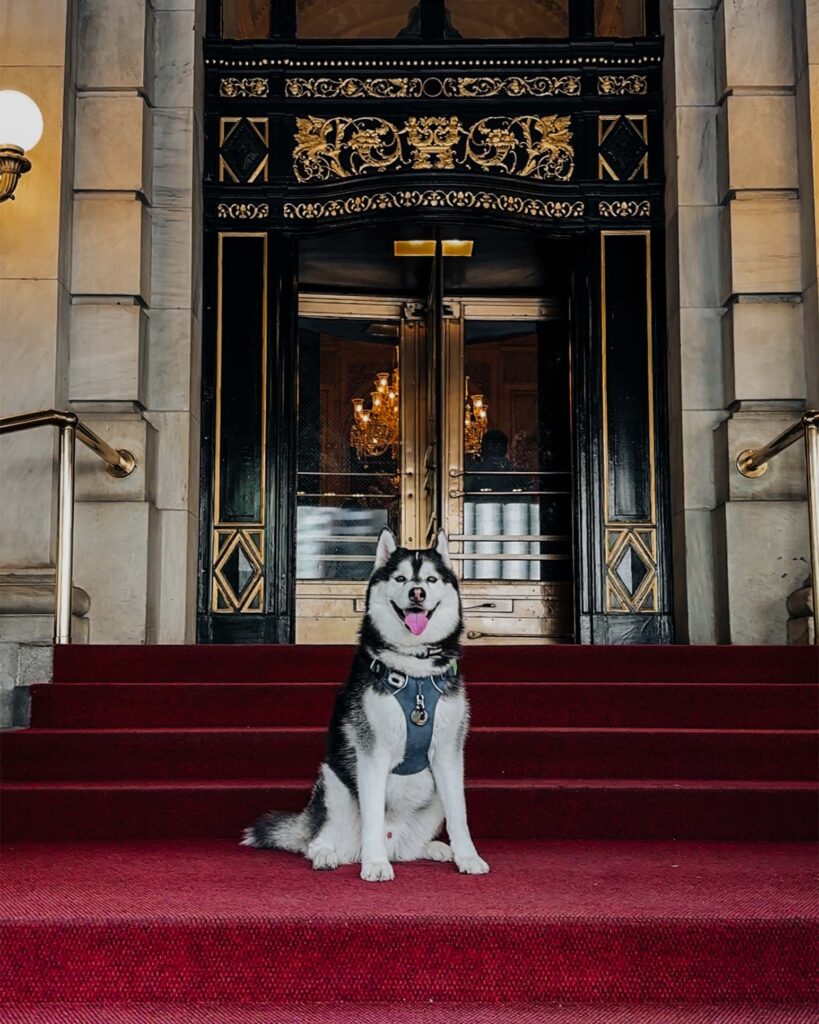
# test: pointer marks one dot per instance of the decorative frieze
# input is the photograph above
(531, 146)
(625, 208)
(622, 85)
(243, 87)
(433, 87)
(440, 198)
(242, 211)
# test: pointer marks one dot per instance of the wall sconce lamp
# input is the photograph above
(21, 125)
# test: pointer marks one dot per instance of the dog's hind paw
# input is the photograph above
(437, 850)
(472, 865)
(325, 859)
(377, 871)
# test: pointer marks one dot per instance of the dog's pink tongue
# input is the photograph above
(417, 621)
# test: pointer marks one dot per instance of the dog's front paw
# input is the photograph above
(325, 859)
(472, 865)
(377, 871)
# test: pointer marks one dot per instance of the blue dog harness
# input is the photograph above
(418, 697)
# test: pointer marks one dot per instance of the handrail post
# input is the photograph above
(811, 422)
(65, 535)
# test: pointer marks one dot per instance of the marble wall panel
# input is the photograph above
(694, 601)
(108, 352)
(174, 461)
(174, 49)
(172, 259)
(763, 351)
(761, 245)
(757, 143)
(698, 456)
(696, 156)
(767, 559)
(109, 255)
(113, 141)
(111, 564)
(701, 358)
(174, 181)
(173, 352)
(754, 44)
(699, 234)
(172, 604)
(112, 43)
(693, 42)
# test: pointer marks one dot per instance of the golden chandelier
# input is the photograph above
(476, 421)
(376, 430)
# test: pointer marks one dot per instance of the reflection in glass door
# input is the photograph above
(477, 439)
(350, 454)
(508, 507)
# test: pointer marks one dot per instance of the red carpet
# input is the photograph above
(414, 1013)
(593, 922)
(604, 747)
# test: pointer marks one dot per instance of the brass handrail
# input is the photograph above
(753, 462)
(119, 463)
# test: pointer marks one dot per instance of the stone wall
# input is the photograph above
(113, 329)
(742, 292)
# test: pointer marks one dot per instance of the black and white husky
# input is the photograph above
(394, 766)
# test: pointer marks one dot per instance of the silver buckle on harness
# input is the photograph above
(397, 680)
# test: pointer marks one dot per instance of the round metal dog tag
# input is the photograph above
(419, 717)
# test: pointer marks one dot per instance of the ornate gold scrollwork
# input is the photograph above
(432, 87)
(242, 211)
(442, 198)
(433, 141)
(536, 146)
(622, 85)
(500, 143)
(625, 208)
(343, 147)
(233, 87)
(349, 88)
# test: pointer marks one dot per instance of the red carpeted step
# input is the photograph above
(550, 663)
(635, 705)
(582, 922)
(408, 1013)
(286, 753)
(508, 809)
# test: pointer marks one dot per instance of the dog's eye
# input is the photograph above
(400, 579)
(432, 579)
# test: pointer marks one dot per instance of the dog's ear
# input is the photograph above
(385, 547)
(442, 547)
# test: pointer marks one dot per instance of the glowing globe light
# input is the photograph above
(21, 123)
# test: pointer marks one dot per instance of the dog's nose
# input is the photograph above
(417, 595)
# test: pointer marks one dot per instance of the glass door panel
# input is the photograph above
(349, 441)
(509, 495)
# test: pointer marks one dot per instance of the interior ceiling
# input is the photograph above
(504, 262)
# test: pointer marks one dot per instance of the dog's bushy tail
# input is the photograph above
(293, 832)
(277, 831)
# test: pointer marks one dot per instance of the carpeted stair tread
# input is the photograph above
(556, 663)
(408, 1013)
(606, 921)
(528, 752)
(500, 809)
(602, 704)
